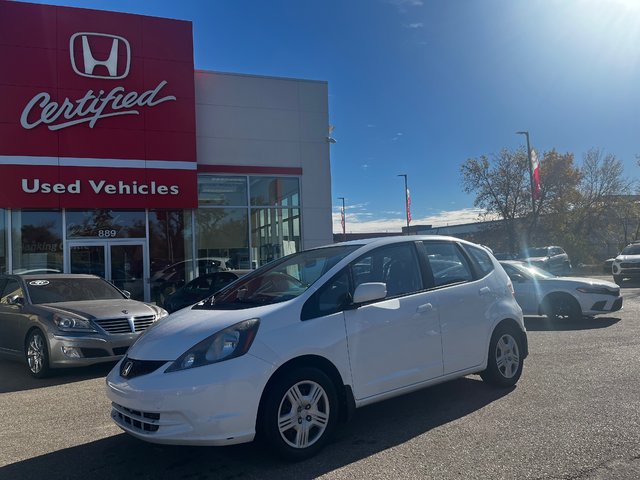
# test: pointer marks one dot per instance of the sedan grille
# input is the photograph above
(124, 325)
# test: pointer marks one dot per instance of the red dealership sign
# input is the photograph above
(97, 109)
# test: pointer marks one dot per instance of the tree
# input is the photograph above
(501, 188)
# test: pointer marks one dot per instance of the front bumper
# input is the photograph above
(212, 405)
(601, 304)
(93, 348)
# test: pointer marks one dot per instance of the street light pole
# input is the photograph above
(533, 199)
(343, 220)
(406, 200)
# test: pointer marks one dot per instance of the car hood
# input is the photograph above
(575, 282)
(175, 334)
(536, 259)
(96, 309)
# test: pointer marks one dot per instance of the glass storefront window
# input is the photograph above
(221, 190)
(105, 224)
(37, 240)
(222, 233)
(283, 191)
(3, 241)
(275, 233)
(170, 251)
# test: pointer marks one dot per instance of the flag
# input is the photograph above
(408, 207)
(342, 219)
(535, 168)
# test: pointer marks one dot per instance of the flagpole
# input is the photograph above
(406, 200)
(343, 220)
(533, 197)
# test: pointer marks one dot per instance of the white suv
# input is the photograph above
(627, 264)
(289, 349)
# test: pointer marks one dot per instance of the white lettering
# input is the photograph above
(43, 187)
(90, 108)
(97, 187)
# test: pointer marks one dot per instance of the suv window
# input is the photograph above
(482, 259)
(447, 262)
(332, 297)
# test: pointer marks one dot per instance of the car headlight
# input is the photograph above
(231, 342)
(162, 313)
(596, 290)
(67, 323)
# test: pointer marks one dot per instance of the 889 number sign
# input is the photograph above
(107, 233)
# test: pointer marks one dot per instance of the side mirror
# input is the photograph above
(367, 292)
(15, 300)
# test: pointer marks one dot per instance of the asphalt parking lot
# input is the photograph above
(575, 414)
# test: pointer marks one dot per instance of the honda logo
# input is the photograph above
(117, 67)
(126, 368)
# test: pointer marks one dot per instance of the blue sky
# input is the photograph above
(419, 86)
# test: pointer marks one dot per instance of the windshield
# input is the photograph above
(55, 290)
(631, 250)
(535, 252)
(279, 281)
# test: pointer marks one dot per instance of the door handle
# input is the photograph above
(485, 291)
(427, 307)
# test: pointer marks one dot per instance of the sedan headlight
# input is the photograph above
(596, 290)
(231, 342)
(67, 323)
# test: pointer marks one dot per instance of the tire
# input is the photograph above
(505, 362)
(37, 354)
(283, 424)
(618, 279)
(557, 307)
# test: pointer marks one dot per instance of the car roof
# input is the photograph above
(61, 276)
(397, 239)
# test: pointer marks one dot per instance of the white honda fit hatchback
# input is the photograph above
(288, 350)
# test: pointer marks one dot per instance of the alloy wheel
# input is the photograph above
(303, 414)
(507, 356)
(36, 353)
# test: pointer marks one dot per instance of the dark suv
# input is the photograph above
(552, 259)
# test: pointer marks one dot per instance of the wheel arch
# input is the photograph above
(346, 398)
(512, 323)
(556, 295)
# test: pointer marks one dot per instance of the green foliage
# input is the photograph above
(586, 209)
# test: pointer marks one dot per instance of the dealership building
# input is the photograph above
(118, 158)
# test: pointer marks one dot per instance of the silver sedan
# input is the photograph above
(65, 320)
(539, 292)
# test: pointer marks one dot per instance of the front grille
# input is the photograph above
(120, 350)
(94, 352)
(142, 323)
(630, 265)
(141, 421)
(123, 324)
(137, 368)
(617, 305)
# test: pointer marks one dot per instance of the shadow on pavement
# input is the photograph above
(15, 377)
(543, 324)
(373, 429)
